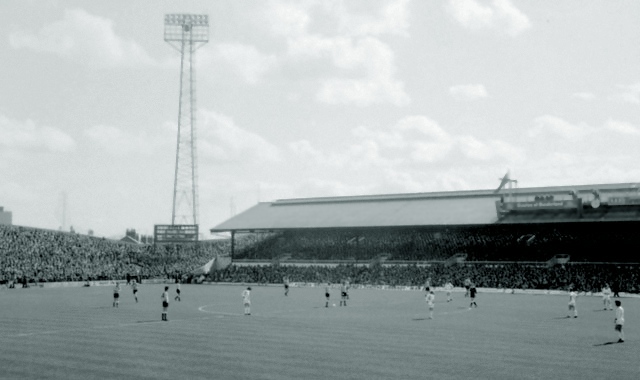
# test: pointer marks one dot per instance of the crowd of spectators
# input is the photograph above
(36, 255)
(583, 277)
(585, 242)
(497, 256)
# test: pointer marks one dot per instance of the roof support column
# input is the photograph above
(233, 243)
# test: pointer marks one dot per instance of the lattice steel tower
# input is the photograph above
(186, 33)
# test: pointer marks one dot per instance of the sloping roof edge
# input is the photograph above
(302, 213)
(461, 193)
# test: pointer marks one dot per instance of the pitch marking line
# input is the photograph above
(202, 309)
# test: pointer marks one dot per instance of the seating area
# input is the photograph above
(585, 242)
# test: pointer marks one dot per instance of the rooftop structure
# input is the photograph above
(471, 207)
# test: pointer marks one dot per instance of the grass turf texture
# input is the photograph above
(75, 333)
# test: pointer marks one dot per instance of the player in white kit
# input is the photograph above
(619, 321)
(448, 287)
(572, 304)
(430, 297)
(606, 297)
(246, 300)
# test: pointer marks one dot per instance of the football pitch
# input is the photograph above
(75, 333)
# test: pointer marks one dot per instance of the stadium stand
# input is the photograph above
(44, 256)
(584, 242)
(531, 238)
(29, 254)
(563, 237)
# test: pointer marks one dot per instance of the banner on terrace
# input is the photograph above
(539, 205)
(623, 201)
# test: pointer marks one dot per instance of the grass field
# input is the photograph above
(75, 333)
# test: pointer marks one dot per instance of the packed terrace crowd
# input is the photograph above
(38, 255)
(583, 277)
(45, 256)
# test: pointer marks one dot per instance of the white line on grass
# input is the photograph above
(202, 309)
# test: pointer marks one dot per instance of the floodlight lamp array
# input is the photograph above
(186, 19)
(179, 28)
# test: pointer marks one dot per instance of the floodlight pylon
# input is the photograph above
(186, 33)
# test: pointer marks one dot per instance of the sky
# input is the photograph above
(304, 99)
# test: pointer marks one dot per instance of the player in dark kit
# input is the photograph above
(286, 286)
(467, 285)
(472, 294)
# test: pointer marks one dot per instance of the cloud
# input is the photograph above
(120, 142)
(17, 193)
(548, 124)
(414, 139)
(476, 149)
(84, 38)
(364, 67)
(500, 15)
(354, 156)
(415, 180)
(629, 94)
(304, 149)
(392, 17)
(561, 168)
(362, 92)
(468, 92)
(583, 95)
(427, 141)
(288, 19)
(318, 187)
(221, 140)
(29, 136)
(610, 138)
(411, 142)
(370, 60)
(246, 60)
(293, 19)
(622, 127)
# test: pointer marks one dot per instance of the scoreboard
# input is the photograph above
(175, 233)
